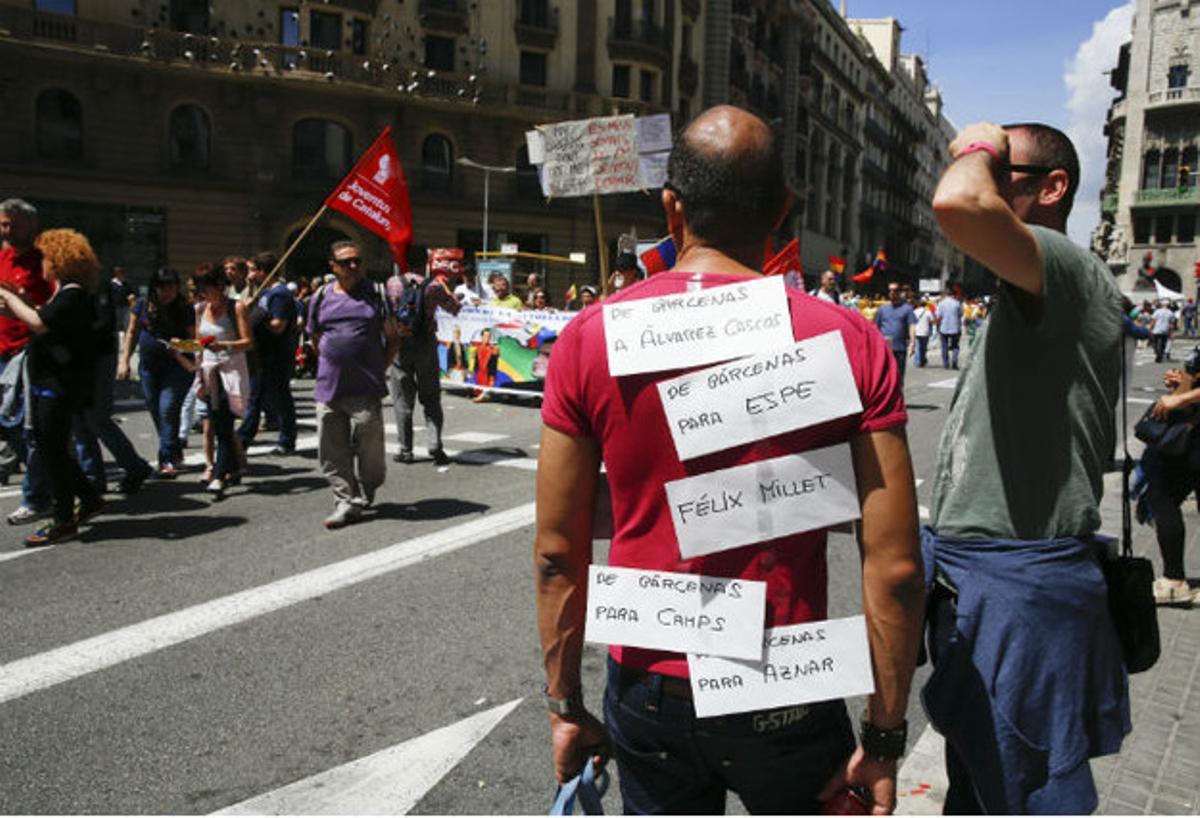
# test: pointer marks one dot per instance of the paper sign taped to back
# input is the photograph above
(757, 502)
(682, 613)
(697, 328)
(803, 384)
(813, 662)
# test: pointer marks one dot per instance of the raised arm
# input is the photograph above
(568, 468)
(974, 215)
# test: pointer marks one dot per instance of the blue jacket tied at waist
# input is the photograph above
(1032, 683)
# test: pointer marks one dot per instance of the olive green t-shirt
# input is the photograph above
(1032, 426)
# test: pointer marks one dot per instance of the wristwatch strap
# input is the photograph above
(569, 706)
(883, 745)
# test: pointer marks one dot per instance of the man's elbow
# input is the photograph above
(903, 579)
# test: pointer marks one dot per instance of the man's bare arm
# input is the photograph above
(975, 217)
(568, 469)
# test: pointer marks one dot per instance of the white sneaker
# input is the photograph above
(1174, 592)
(216, 488)
(343, 514)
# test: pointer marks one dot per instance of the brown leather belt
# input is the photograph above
(671, 685)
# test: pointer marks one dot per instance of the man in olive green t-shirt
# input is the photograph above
(1028, 681)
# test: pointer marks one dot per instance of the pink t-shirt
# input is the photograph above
(625, 415)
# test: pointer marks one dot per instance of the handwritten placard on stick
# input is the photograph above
(682, 613)
(696, 328)
(757, 502)
(813, 662)
(803, 384)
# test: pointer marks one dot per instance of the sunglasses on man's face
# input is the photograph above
(1032, 170)
(353, 261)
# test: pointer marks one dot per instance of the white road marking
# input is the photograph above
(10, 493)
(475, 437)
(389, 782)
(921, 783)
(949, 383)
(43, 670)
(1141, 400)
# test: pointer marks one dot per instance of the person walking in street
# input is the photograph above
(61, 374)
(724, 196)
(161, 318)
(20, 272)
(416, 371)
(273, 322)
(896, 320)
(923, 314)
(95, 424)
(223, 327)
(123, 295)
(949, 326)
(828, 290)
(1188, 313)
(1162, 321)
(1029, 680)
(356, 340)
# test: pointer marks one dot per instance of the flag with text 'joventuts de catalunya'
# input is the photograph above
(376, 196)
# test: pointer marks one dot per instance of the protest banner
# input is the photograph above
(494, 349)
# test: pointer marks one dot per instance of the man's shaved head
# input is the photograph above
(727, 170)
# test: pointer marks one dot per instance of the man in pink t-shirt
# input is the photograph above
(724, 196)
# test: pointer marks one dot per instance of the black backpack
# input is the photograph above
(410, 312)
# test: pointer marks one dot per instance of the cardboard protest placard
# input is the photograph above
(614, 154)
(682, 613)
(696, 328)
(761, 501)
(802, 384)
(812, 662)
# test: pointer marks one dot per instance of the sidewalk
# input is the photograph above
(1158, 769)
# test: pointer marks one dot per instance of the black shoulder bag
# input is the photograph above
(1130, 579)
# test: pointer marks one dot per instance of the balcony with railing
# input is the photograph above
(443, 15)
(1168, 197)
(642, 41)
(536, 26)
(1173, 97)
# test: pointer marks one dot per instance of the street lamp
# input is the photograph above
(488, 170)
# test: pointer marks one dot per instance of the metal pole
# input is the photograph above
(487, 190)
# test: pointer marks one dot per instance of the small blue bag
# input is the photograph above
(588, 787)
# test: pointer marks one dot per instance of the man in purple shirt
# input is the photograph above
(356, 339)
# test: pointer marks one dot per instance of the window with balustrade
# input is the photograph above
(1151, 164)
(59, 123)
(437, 163)
(321, 150)
(189, 138)
(325, 30)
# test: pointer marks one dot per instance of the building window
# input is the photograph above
(1170, 168)
(437, 163)
(289, 27)
(190, 15)
(321, 149)
(646, 87)
(528, 184)
(1141, 230)
(325, 30)
(1186, 229)
(1162, 229)
(1177, 76)
(1187, 170)
(190, 138)
(1150, 168)
(534, 13)
(439, 53)
(59, 125)
(620, 81)
(533, 68)
(56, 6)
(358, 36)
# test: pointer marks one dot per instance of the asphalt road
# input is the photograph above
(187, 656)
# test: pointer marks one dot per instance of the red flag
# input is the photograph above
(864, 276)
(376, 196)
(837, 264)
(785, 261)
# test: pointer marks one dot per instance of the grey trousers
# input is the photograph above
(415, 374)
(350, 446)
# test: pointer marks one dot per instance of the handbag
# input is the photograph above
(1169, 438)
(587, 786)
(1130, 579)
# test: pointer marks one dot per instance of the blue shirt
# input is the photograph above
(949, 316)
(894, 322)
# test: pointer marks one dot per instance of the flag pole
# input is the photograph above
(287, 253)
(601, 247)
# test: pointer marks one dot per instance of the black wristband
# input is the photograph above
(883, 745)
(570, 706)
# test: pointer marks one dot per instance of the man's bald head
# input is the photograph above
(727, 170)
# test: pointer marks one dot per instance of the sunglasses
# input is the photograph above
(1033, 170)
(353, 261)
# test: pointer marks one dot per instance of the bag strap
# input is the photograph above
(1126, 465)
(587, 787)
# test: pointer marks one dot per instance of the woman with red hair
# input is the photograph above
(61, 364)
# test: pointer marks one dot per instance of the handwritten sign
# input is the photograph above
(696, 328)
(813, 662)
(654, 133)
(803, 384)
(681, 613)
(615, 154)
(757, 502)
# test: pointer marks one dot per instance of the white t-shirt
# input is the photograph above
(924, 321)
(824, 296)
(466, 295)
(1160, 321)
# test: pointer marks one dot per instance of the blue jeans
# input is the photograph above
(35, 487)
(94, 425)
(950, 350)
(271, 391)
(777, 761)
(165, 390)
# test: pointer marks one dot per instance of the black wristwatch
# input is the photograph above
(883, 745)
(570, 706)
